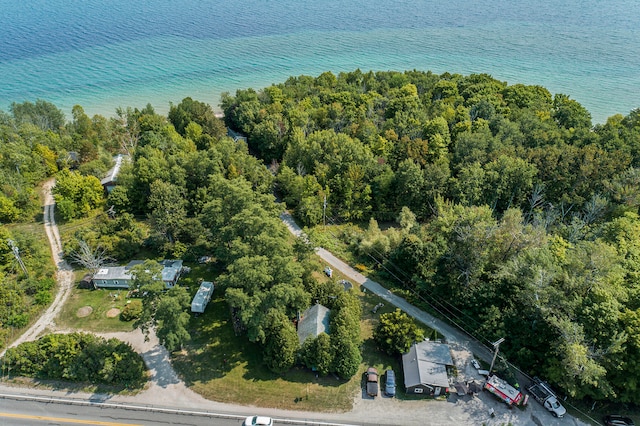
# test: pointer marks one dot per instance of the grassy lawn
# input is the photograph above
(100, 301)
(333, 237)
(371, 356)
(224, 367)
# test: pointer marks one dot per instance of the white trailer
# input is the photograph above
(202, 297)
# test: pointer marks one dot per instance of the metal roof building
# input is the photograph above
(120, 276)
(109, 181)
(425, 368)
(313, 321)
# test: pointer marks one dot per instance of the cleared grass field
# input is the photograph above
(100, 302)
(224, 367)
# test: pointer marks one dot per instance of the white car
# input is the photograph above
(258, 421)
(476, 364)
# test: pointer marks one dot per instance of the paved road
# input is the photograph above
(452, 334)
(26, 410)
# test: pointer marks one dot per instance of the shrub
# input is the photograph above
(396, 332)
(78, 357)
(43, 297)
(132, 310)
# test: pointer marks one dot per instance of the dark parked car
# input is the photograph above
(390, 383)
(616, 420)
(372, 382)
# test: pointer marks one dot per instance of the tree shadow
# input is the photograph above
(157, 361)
(99, 392)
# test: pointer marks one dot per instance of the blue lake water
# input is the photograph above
(105, 54)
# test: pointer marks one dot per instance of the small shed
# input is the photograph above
(425, 368)
(202, 297)
(313, 321)
(85, 282)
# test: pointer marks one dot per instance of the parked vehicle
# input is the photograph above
(475, 364)
(503, 390)
(258, 421)
(617, 420)
(542, 392)
(372, 382)
(390, 383)
(346, 284)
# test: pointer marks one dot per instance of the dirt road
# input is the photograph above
(64, 274)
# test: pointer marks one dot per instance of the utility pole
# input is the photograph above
(324, 212)
(16, 253)
(496, 348)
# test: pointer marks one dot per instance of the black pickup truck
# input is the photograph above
(372, 382)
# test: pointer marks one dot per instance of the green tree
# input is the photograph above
(281, 342)
(78, 357)
(346, 355)
(147, 282)
(77, 195)
(569, 113)
(191, 111)
(172, 319)
(132, 310)
(396, 332)
(43, 114)
(8, 211)
(316, 354)
(168, 208)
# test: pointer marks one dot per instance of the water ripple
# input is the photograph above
(107, 54)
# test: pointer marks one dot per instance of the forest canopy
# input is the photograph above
(515, 215)
(503, 206)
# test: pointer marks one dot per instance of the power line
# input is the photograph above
(455, 319)
(435, 300)
(408, 278)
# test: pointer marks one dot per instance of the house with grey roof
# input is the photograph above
(236, 136)
(313, 321)
(425, 368)
(109, 181)
(120, 276)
